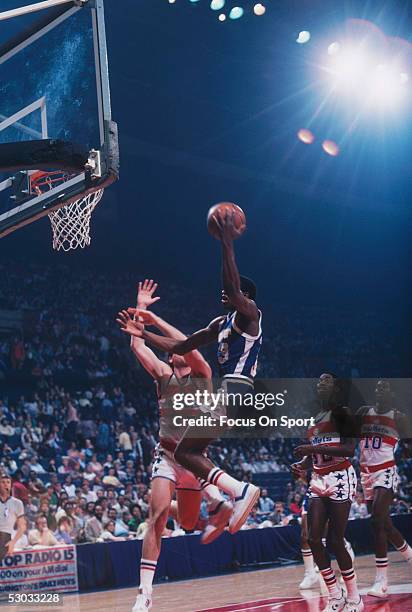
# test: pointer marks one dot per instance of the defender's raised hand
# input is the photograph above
(128, 325)
(147, 317)
(145, 294)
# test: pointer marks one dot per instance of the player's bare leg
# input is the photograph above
(384, 531)
(190, 453)
(162, 491)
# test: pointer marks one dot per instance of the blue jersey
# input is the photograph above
(237, 352)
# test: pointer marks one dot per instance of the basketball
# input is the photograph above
(220, 210)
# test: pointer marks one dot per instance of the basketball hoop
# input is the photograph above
(70, 223)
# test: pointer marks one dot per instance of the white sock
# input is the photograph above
(229, 485)
(351, 584)
(381, 569)
(406, 551)
(212, 494)
(308, 560)
(147, 571)
(330, 580)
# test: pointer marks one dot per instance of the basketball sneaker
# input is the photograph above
(143, 602)
(335, 604)
(379, 589)
(354, 606)
(310, 579)
(242, 506)
(218, 519)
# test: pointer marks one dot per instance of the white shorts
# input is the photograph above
(340, 486)
(165, 466)
(388, 478)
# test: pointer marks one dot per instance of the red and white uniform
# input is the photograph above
(332, 477)
(379, 437)
(164, 463)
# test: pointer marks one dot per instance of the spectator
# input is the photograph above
(41, 535)
(94, 527)
(265, 505)
(107, 534)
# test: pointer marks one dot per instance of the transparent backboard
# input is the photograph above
(53, 85)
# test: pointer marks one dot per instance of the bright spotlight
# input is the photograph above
(333, 48)
(386, 86)
(349, 67)
(259, 9)
(330, 147)
(303, 37)
(306, 136)
(222, 17)
(236, 12)
(216, 5)
(172, 1)
(366, 76)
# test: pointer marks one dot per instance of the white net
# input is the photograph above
(71, 223)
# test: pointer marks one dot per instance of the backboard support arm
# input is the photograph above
(38, 6)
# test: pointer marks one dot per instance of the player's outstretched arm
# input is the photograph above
(194, 359)
(145, 356)
(169, 345)
(230, 273)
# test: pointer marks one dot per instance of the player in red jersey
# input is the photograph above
(331, 491)
(380, 427)
(167, 475)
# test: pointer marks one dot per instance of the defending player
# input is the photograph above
(380, 429)
(167, 475)
(331, 492)
(239, 337)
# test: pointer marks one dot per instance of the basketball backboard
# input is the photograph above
(55, 111)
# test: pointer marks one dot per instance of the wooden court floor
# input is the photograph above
(261, 591)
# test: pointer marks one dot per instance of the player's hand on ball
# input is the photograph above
(128, 325)
(145, 294)
(226, 226)
(303, 450)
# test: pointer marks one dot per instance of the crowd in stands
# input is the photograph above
(78, 417)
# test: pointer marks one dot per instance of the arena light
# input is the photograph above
(222, 17)
(217, 5)
(236, 12)
(303, 37)
(333, 48)
(259, 9)
(306, 136)
(366, 76)
(330, 147)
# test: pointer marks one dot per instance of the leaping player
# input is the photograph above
(380, 429)
(239, 338)
(331, 492)
(167, 476)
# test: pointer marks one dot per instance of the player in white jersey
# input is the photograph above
(167, 475)
(380, 427)
(331, 491)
